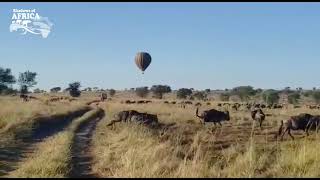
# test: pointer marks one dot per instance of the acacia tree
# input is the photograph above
(55, 89)
(6, 79)
(26, 80)
(112, 92)
(74, 90)
(159, 90)
(183, 93)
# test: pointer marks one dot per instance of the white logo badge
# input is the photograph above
(30, 21)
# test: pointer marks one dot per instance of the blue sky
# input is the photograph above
(199, 45)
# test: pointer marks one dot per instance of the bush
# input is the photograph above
(293, 98)
(244, 92)
(271, 96)
(55, 89)
(316, 96)
(142, 91)
(199, 95)
(224, 96)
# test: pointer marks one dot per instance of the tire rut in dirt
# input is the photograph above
(81, 156)
(12, 154)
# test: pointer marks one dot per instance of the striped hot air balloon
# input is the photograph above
(143, 60)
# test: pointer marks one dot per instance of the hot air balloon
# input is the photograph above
(143, 60)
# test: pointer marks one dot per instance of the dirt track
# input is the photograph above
(81, 153)
(47, 126)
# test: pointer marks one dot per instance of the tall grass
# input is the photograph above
(190, 151)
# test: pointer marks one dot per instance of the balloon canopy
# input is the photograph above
(143, 60)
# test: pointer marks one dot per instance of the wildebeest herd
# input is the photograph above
(302, 121)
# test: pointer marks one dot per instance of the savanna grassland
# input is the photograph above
(180, 147)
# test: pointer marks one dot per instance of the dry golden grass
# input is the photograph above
(191, 150)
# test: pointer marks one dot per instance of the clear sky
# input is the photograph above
(199, 45)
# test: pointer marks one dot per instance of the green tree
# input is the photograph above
(6, 79)
(271, 96)
(26, 80)
(159, 90)
(183, 93)
(112, 92)
(74, 90)
(142, 91)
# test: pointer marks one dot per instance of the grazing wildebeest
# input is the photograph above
(302, 121)
(173, 102)
(134, 116)
(258, 115)
(214, 116)
(166, 102)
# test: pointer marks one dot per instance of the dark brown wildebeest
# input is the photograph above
(214, 116)
(166, 102)
(198, 104)
(208, 103)
(258, 115)
(188, 102)
(24, 97)
(302, 121)
(173, 102)
(134, 116)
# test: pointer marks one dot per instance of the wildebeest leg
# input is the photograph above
(113, 121)
(289, 132)
(261, 124)
(220, 124)
(284, 133)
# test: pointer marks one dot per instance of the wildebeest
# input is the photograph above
(258, 115)
(198, 104)
(213, 115)
(24, 97)
(134, 116)
(302, 121)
